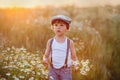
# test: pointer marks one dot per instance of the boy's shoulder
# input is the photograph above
(50, 41)
(71, 41)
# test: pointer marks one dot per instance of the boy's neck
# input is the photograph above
(60, 39)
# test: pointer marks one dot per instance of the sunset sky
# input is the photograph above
(33, 3)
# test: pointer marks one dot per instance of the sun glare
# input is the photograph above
(18, 6)
(43, 3)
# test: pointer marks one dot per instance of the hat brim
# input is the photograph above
(53, 20)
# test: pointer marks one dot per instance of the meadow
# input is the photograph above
(94, 30)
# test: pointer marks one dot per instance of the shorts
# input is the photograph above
(60, 74)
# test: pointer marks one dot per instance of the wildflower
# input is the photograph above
(28, 53)
(38, 73)
(83, 72)
(87, 61)
(39, 65)
(11, 54)
(8, 49)
(27, 70)
(25, 63)
(22, 66)
(28, 73)
(3, 53)
(23, 49)
(22, 70)
(22, 77)
(32, 78)
(8, 74)
(76, 63)
(33, 72)
(5, 67)
(44, 72)
(15, 78)
(32, 62)
(84, 63)
(17, 50)
(85, 67)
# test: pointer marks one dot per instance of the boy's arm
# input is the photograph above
(73, 55)
(73, 52)
(47, 53)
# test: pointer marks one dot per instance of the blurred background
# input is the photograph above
(95, 29)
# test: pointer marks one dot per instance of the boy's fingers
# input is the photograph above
(45, 64)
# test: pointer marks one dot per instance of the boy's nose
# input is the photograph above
(58, 27)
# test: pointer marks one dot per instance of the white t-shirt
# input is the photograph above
(59, 54)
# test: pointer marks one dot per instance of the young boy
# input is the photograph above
(60, 49)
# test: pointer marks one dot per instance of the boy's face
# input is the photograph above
(60, 28)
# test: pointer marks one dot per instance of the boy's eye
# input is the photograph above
(56, 25)
(61, 25)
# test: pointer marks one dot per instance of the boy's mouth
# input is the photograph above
(58, 30)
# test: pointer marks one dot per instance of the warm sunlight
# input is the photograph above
(33, 3)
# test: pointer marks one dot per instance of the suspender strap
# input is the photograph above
(51, 51)
(67, 52)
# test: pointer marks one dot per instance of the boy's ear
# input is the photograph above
(68, 29)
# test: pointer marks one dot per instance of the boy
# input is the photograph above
(60, 49)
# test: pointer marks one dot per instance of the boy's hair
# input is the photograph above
(61, 21)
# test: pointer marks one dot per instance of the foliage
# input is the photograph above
(19, 64)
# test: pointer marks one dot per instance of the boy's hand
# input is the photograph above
(76, 66)
(45, 63)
